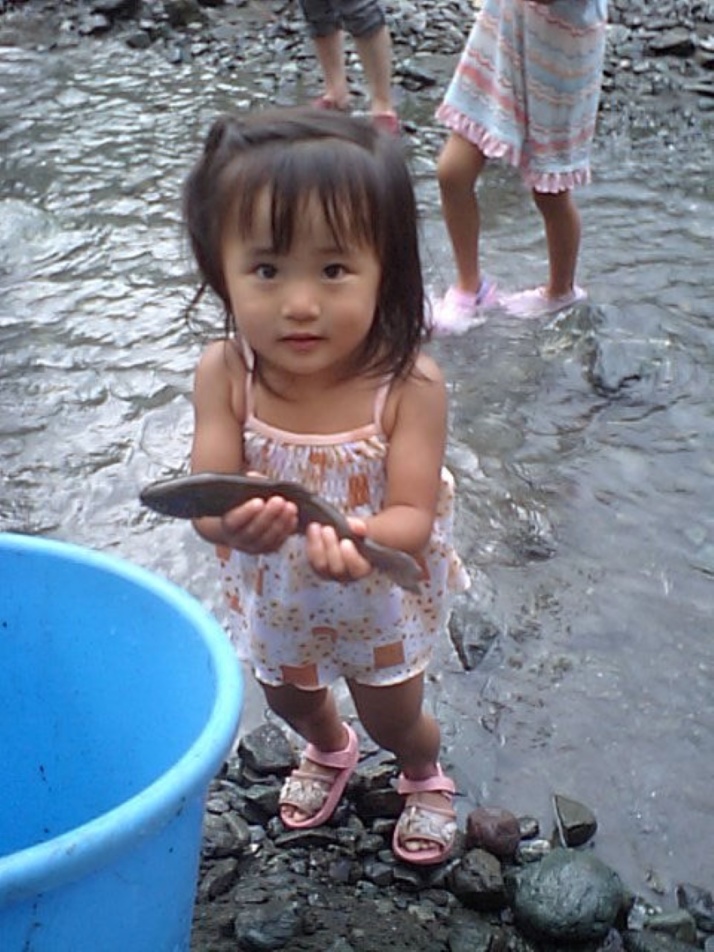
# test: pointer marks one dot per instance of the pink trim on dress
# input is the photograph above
(373, 428)
(494, 148)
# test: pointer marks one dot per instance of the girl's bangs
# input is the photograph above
(293, 177)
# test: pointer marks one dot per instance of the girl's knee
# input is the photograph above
(554, 203)
(390, 713)
(294, 704)
(458, 166)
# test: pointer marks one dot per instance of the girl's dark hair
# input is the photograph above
(361, 180)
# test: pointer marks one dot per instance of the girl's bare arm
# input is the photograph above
(218, 403)
(417, 440)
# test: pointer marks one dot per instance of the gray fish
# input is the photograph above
(214, 494)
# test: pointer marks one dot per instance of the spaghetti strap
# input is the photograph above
(249, 362)
(380, 400)
(248, 394)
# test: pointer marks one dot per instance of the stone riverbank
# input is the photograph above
(513, 884)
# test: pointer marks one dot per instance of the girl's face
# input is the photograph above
(308, 310)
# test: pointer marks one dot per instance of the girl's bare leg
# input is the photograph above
(562, 234)
(394, 718)
(313, 715)
(330, 55)
(458, 169)
(375, 53)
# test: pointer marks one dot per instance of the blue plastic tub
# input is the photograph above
(119, 699)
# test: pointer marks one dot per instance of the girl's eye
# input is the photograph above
(334, 271)
(266, 271)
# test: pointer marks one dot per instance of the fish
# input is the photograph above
(214, 494)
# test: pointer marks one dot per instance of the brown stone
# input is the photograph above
(493, 829)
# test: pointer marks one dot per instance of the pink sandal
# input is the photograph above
(315, 794)
(423, 822)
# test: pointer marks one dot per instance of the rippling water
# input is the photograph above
(582, 447)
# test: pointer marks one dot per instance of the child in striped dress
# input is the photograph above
(525, 91)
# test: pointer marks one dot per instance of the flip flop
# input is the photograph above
(315, 794)
(420, 821)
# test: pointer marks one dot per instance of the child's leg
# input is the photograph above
(313, 715)
(364, 21)
(330, 55)
(324, 26)
(375, 53)
(562, 235)
(458, 169)
(394, 718)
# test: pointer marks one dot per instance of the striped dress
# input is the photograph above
(527, 86)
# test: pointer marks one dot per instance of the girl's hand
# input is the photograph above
(260, 525)
(334, 558)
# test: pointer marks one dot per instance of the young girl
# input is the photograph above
(304, 225)
(525, 91)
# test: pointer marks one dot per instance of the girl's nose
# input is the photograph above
(301, 301)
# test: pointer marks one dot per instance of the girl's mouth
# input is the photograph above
(302, 342)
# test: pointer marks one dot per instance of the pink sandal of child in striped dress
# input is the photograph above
(425, 823)
(317, 795)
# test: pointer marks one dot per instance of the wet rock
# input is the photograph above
(531, 851)
(678, 924)
(650, 942)
(613, 942)
(224, 834)
(477, 881)
(95, 25)
(529, 827)
(261, 801)
(576, 822)
(267, 928)
(566, 897)
(677, 42)
(469, 933)
(472, 633)
(699, 902)
(381, 874)
(138, 40)
(493, 829)
(617, 365)
(217, 881)
(181, 13)
(639, 912)
(117, 9)
(266, 750)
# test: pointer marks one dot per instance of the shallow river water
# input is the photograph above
(582, 446)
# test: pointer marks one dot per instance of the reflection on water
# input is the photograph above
(582, 446)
